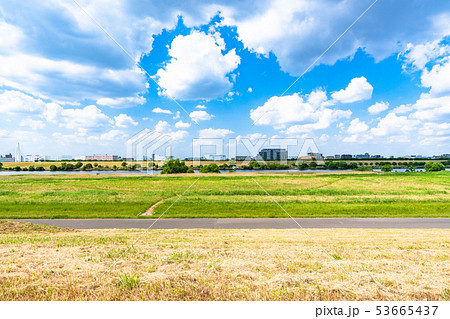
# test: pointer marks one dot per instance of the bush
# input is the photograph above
(174, 167)
(1, 165)
(434, 167)
(87, 167)
(363, 169)
(211, 168)
(31, 168)
(17, 169)
(53, 168)
(40, 168)
(386, 168)
(190, 170)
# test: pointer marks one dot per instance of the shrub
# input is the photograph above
(174, 167)
(211, 168)
(386, 168)
(190, 170)
(53, 168)
(434, 167)
(87, 166)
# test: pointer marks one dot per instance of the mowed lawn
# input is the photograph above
(227, 195)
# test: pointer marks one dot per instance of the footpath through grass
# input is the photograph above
(227, 195)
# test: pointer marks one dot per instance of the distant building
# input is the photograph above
(214, 157)
(101, 157)
(375, 156)
(7, 158)
(337, 156)
(315, 155)
(18, 157)
(346, 156)
(273, 154)
(330, 157)
(243, 158)
(362, 156)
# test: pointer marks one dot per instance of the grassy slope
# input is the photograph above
(227, 195)
(39, 263)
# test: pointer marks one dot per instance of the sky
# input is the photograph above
(84, 77)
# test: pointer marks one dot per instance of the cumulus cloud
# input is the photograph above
(214, 133)
(378, 107)
(187, 77)
(160, 110)
(392, 124)
(437, 79)
(200, 116)
(357, 90)
(122, 102)
(123, 120)
(181, 124)
(163, 127)
(297, 32)
(310, 109)
(201, 107)
(33, 124)
(357, 126)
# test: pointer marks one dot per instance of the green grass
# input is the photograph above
(227, 195)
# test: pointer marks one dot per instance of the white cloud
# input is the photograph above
(187, 77)
(437, 79)
(357, 90)
(249, 90)
(200, 106)
(123, 120)
(122, 102)
(310, 109)
(17, 102)
(402, 109)
(33, 124)
(394, 125)
(419, 55)
(113, 135)
(252, 137)
(160, 110)
(297, 32)
(181, 124)
(89, 117)
(200, 116)
(357, 126)
(214, 133)
(163, 127)
(177, 115)
(378, 107)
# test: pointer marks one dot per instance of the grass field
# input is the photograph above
(227, 195)
(47, 263)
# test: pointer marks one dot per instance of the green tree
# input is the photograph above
(174, 167)
(386, 168)
(1, 165)
(53, 168)
(190, 170)
(87, 167)
(434, 167)
(40, 168)
(78, 165)
(31, 168)
(211, 168)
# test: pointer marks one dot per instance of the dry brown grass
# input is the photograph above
(225, 265)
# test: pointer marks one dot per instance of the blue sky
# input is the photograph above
(383, 88)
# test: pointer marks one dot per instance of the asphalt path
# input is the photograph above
(247, 223)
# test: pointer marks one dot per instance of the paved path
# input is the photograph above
(247, 223)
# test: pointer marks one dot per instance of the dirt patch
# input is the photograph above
(149, 212)
(9, 227)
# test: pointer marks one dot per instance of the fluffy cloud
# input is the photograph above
(394, 125)
(357, 90)
(187, 77)
(201, 107)
(214, 133)
(122, 102)
(357, 126)
(89, 117)
(123, 120)
(378, 107)
(438, 79)
(311, 109)
(17, 102)
(181, 124)
(160, 110)
(419, 55)
(163, 127)
(297, 32)
(200, 116)
(33, 124)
